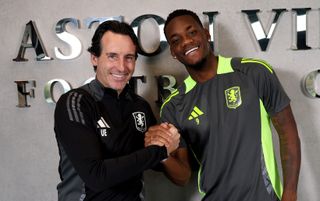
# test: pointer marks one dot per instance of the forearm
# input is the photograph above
(177, 167)
(290, 158)
(102, 174)
(290, 152)
(100, 166)
(97, 169)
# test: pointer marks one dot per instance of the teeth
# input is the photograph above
(191, 50)
(118, 75)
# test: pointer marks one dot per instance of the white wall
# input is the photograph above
(28, 151)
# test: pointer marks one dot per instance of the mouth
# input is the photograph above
(119, 76)
(191, 50)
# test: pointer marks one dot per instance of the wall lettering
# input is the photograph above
(23, 93)
(165, 83)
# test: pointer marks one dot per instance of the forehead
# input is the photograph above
(181, 24)
(118, 43)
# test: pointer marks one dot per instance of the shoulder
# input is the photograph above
(75, 106)
(175, 97)
(75, 93)
(75, 98)
(251, 66)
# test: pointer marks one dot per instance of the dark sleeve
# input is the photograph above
(269, 88)
(77, 133)
(167, 114)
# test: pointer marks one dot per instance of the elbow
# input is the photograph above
(96, 181)
(182, 180)
(95, 185)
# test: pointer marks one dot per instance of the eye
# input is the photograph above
(192, 32)
(130, 58)
(174, 41)
(112, 56)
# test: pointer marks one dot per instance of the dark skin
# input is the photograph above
(176, 166)
(183, 37)
(289, 151)
(188, 42)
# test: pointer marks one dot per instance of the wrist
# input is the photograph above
(164, 153)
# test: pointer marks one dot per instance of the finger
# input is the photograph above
(149, 138)
(158, 140)
(165, 125)
(162, 140)
(157, 143)
(147, 142)
(154, 142)
(160, 128)
(161, 132)
(176, 136)
(172, 128)
(155, 127)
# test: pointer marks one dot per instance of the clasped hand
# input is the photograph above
(164, 134)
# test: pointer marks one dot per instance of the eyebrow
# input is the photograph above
(188, 28)
(110, 53)
(130, 54)
(115, 53)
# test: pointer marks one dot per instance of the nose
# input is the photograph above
(187, 40)
(121, 66)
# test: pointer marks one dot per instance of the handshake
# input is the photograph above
(164, 134)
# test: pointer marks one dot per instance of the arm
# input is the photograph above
(176, 166)
(88, 155)
(289, 150)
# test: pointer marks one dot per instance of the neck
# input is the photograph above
(206, 71)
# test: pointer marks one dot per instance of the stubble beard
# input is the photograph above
(201, 64)
(197, 66)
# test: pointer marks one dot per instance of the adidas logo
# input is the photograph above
(102, 124)
(196, 112)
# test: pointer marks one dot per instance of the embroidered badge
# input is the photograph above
(233, 97)
(140, 121)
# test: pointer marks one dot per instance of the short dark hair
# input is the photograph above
(181, 12)
(115, 27)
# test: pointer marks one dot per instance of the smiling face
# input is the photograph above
(116, 63)
(188, 41)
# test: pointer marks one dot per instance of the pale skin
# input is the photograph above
(116, 63)
(188, 42)
(169, 137)
(115, 67)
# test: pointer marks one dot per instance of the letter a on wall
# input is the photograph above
(36, 43)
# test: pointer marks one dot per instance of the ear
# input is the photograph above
(206, 31)
(94, 60)
(172, 54)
